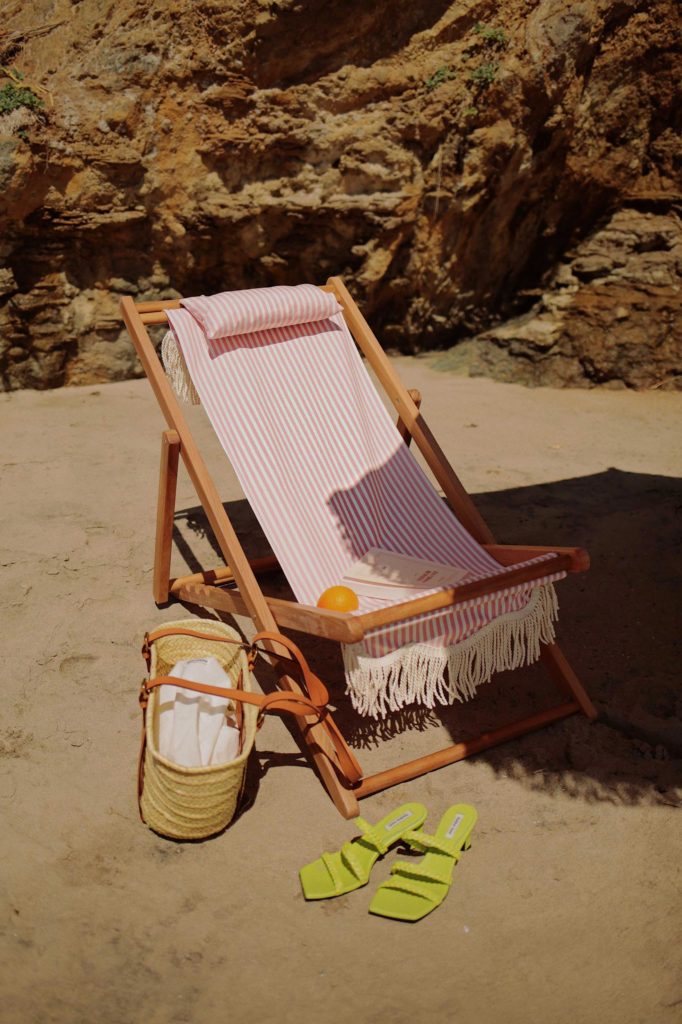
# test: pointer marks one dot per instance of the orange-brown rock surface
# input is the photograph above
(502, 174)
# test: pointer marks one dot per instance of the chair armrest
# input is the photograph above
(456, 595)
(510, 554)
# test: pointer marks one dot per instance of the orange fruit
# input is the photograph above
(339, 599)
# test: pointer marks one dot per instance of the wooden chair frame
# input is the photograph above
(247, 598)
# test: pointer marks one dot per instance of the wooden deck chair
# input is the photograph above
(514, 566)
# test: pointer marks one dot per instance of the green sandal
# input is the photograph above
(413, 891)
(334, 874)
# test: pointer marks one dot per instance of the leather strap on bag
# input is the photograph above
(313, 685)
(293, 703)
(319, 694)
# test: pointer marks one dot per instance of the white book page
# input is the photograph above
(388, 575)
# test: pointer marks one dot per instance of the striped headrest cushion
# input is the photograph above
(258, 309)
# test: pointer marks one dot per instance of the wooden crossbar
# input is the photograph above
(458, 751)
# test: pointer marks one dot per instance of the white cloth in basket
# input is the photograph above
(197, 729)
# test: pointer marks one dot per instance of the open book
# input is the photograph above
(390, 576)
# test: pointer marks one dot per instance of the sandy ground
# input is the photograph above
(568, 906)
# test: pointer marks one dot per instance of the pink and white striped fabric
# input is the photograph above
(329, 477)
(259, 309)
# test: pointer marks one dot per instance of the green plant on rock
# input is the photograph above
(12, 97)
(443, 74)
(494, 36)
(485, 74)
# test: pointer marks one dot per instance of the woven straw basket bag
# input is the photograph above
(194, 803)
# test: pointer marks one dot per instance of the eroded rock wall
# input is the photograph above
(610, 314)
(506, 171)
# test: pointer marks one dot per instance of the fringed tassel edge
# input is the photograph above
(176, 370)
(418, 673)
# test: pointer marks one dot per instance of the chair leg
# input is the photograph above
(168, 479)
(344, 799)
(565, 677)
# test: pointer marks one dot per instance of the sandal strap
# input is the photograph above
(417, 872)
(413, 887)
(372, 837)
(363, 825)
(348, 854)
(424, 843)
(331, 866)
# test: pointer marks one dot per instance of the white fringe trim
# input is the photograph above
(176, 370)
(417, 673)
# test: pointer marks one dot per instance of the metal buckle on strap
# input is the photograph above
(146, 650)
(143, 696)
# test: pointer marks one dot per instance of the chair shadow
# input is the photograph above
(618, 626)
(257, 767)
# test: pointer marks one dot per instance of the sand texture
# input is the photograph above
(567, 908)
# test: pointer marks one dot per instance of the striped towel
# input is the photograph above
(329, 477)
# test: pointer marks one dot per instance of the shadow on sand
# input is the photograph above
(619, 626)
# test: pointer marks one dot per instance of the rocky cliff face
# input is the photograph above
(501, 175)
